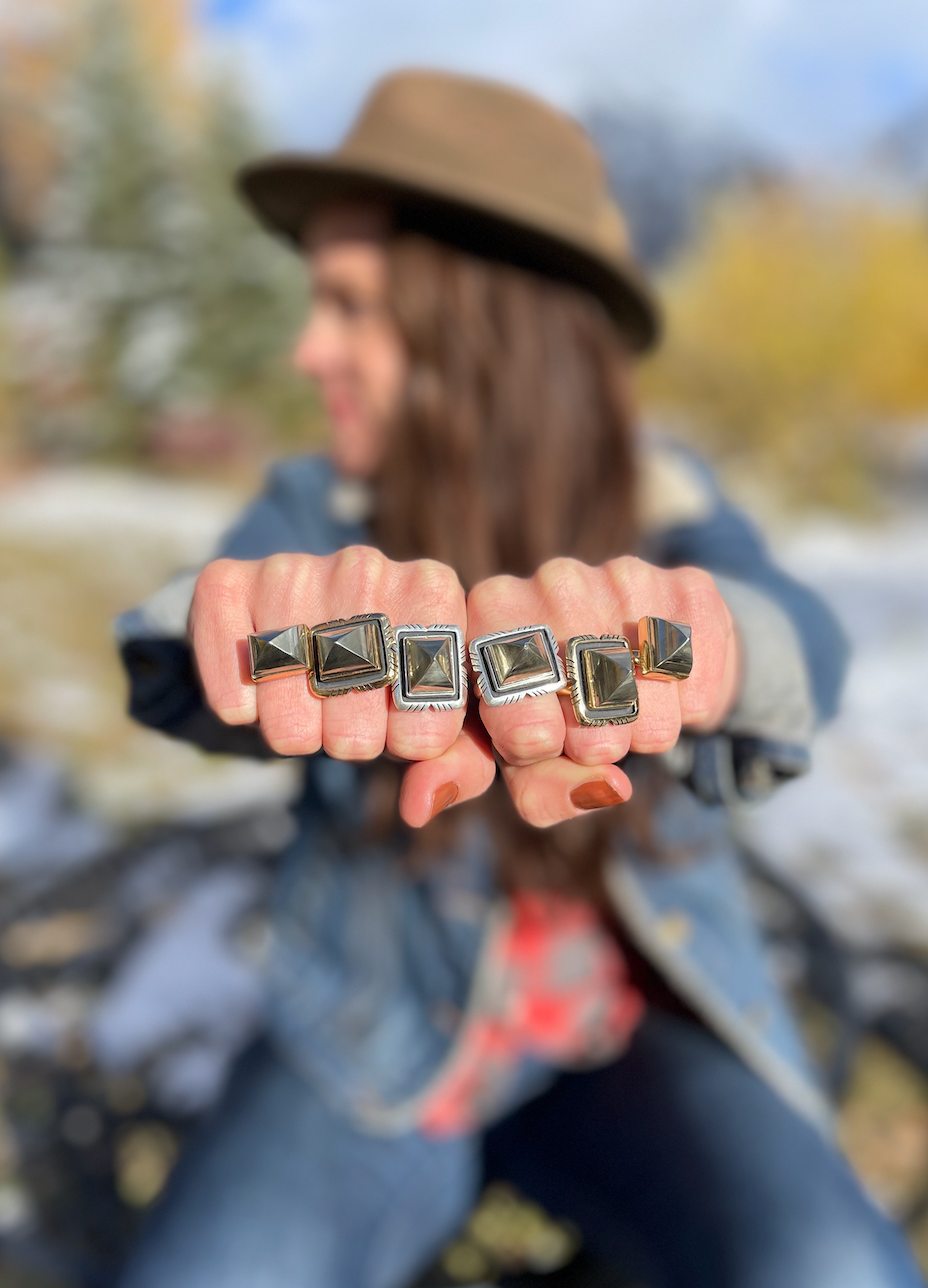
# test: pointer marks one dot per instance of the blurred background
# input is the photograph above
(772, 157)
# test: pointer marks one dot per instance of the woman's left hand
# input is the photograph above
(555, 768)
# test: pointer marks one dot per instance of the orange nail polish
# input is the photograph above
(445, 796)
(596, 794)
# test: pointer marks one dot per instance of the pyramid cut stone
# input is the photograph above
(275, 653)
(609, 678)
(430, 666)
(519, 660)
(348, 653)
(668, 648)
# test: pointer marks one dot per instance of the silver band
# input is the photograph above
(515, 664)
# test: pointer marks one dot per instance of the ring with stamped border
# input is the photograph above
(515, 664)
(601, 679)
(351, 654)
(430, 668)
(279, 652)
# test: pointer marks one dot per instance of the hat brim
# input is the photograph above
(285, 191)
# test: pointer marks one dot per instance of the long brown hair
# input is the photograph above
(514, 443)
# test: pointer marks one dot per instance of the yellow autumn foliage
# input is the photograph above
(798, 339)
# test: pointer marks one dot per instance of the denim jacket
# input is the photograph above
(373, 969)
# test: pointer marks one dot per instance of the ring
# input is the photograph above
(280, 652)
(350, 653)
(431, 668)
(516, 664)
(601, 669)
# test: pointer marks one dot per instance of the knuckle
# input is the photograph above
(659, 733)
(438, 580)
(595, 747)
(531, 803)
(557, 572)
(627, 573)
(697, 587)
(289, 743)
(528, 743)
(353, 746)
(427, 745)
(491, 600)
(223, 578)
(362, 569)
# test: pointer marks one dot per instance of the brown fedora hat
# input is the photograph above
(488, 168)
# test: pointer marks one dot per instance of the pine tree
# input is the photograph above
(159, 293)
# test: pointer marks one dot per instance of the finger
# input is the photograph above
(578, 600)
(553, 791)
(593, 745)
(288, 590)
(529, 729)
(462, 772)
(526, 731)
(710, 688)
(289, 716)
(428, 593)
(658, 725)
(219, 623)
(354, 725)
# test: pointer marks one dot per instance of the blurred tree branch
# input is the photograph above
(150, 296)
(798, 344)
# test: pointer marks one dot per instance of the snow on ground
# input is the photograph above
(86, 503)
(854, 832)
(78, 546)
(183, 994)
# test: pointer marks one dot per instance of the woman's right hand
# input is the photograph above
(236, 598)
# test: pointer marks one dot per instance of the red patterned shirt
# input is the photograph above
(555, 987)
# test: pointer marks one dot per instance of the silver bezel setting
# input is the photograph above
(586, 714)
(401, 699)
(490, 691)
(386, 673)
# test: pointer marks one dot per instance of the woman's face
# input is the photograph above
(350, 345)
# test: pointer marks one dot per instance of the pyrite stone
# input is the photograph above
(665, 649)
(278, 652)
(431, 668)
(523, 663)
(351, 653)
(601, 676)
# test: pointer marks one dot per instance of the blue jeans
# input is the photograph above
(675, 1160)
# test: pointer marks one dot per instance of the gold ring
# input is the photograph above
(601, 669)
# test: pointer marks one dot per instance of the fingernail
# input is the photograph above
(596, 794)
(445, 796)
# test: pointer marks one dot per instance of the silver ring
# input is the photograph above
(516, 664)
(430, 671)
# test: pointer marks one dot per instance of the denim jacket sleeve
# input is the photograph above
(794, 651)
(291, 515)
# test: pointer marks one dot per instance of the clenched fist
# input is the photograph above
(554, 768)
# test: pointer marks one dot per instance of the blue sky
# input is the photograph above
(814, 80)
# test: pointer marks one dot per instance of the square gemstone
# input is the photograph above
(666, 648)
(430, 670)
(355, 653)
(275, 653)
(602, 679)
(516, 664)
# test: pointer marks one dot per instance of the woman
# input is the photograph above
(545, 983)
